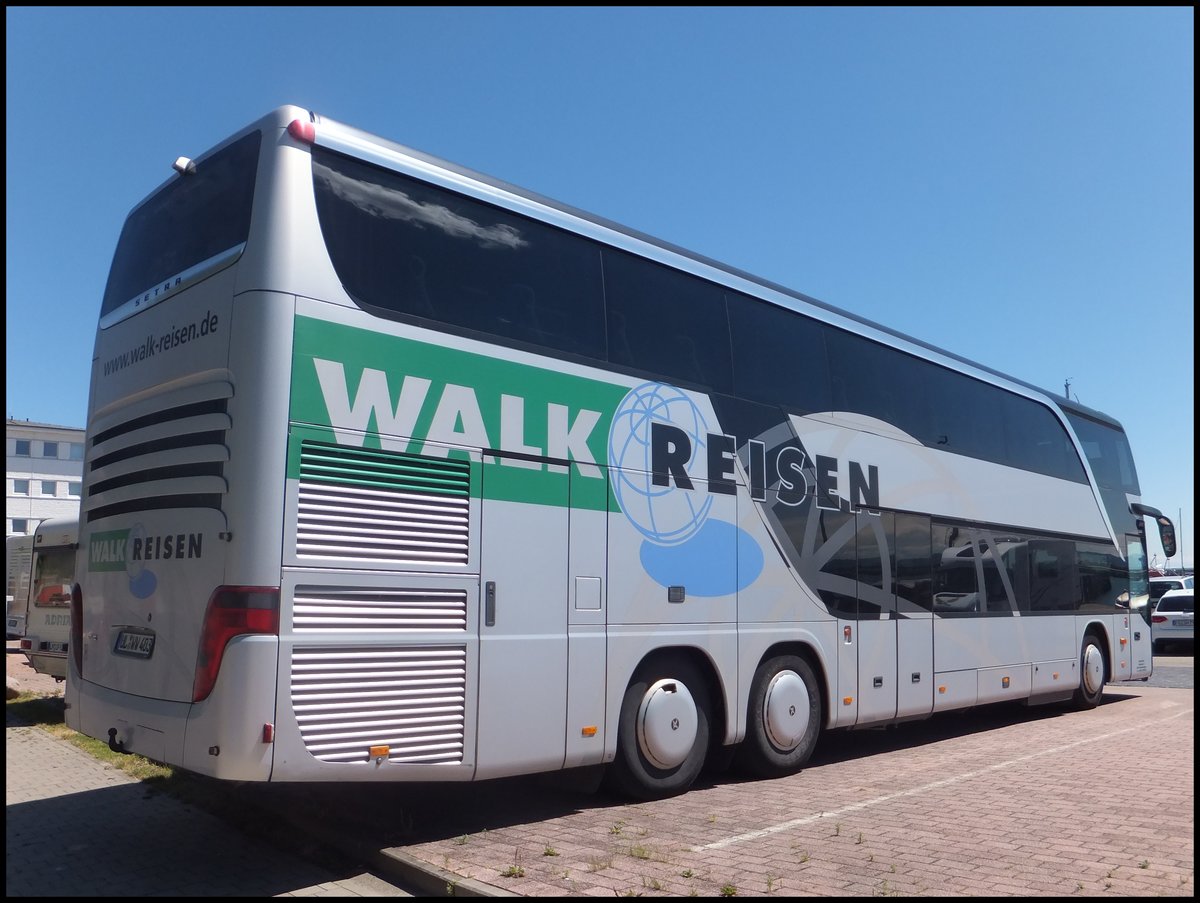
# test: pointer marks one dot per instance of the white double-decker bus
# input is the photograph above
(397, 472)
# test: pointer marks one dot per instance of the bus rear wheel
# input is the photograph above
(784, 720)
(1091, 674)
(663, 733)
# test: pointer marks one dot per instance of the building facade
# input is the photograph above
(44, 476)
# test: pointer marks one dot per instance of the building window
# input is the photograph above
(19, 525)
(75, 489)
(49, 487)
(23, 448)
(76, 451)
(49, 449)
(20, 487)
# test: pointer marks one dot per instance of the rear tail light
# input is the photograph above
(232, 611)
(75, 644)
(1158, 619)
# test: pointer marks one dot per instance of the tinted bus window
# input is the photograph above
(962, 414)
(1108, 453)
(401, 246)
(1053, 575)
(874, 561)
(665, 322)
(778, 356)
(1037, 441)
(955, 579)
(1103, 578)
(999, 560)
(912, 555)
(837, 582)
(880, 382)
(193, 218)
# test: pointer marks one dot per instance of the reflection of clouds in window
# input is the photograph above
(392, 203)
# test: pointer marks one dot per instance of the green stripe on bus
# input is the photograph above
(382, 394)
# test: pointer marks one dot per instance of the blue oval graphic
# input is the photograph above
(720, 559)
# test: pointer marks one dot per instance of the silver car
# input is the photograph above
(1174, 618)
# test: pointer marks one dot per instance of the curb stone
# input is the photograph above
(431, 880)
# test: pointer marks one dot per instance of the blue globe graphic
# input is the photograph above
(667, 515)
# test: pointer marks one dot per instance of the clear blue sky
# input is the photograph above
(1015, 185)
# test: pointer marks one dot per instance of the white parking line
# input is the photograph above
(966, 776)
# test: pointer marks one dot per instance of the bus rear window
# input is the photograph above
(193, 219)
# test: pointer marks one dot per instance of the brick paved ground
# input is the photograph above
(1006, 802)
(76, 827)
(22, 677)
(1020, 803)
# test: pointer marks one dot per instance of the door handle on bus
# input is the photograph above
(489, 604)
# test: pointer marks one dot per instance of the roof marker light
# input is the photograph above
(302, 131)
(184, 166)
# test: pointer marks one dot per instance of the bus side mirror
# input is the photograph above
(1166, 530)
(1166, 535)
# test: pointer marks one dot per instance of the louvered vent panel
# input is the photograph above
(360, 503)
(166, 451)
(410, 699)
(325, 608)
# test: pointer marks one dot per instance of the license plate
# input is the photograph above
(55, 647)
(1183, 622)
(134, 643)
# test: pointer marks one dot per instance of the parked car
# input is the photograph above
(1160, 585)
(1174, 618)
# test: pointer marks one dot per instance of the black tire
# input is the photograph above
(672, 691)
(783, 720)
(1093, 671)
(720, 758)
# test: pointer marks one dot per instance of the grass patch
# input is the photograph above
(48, 713)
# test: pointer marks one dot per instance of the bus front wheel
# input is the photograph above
(1091, 674)
(663, 733)
(784, 718)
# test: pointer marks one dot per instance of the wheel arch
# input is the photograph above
(1100, 631)
(715, 688)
